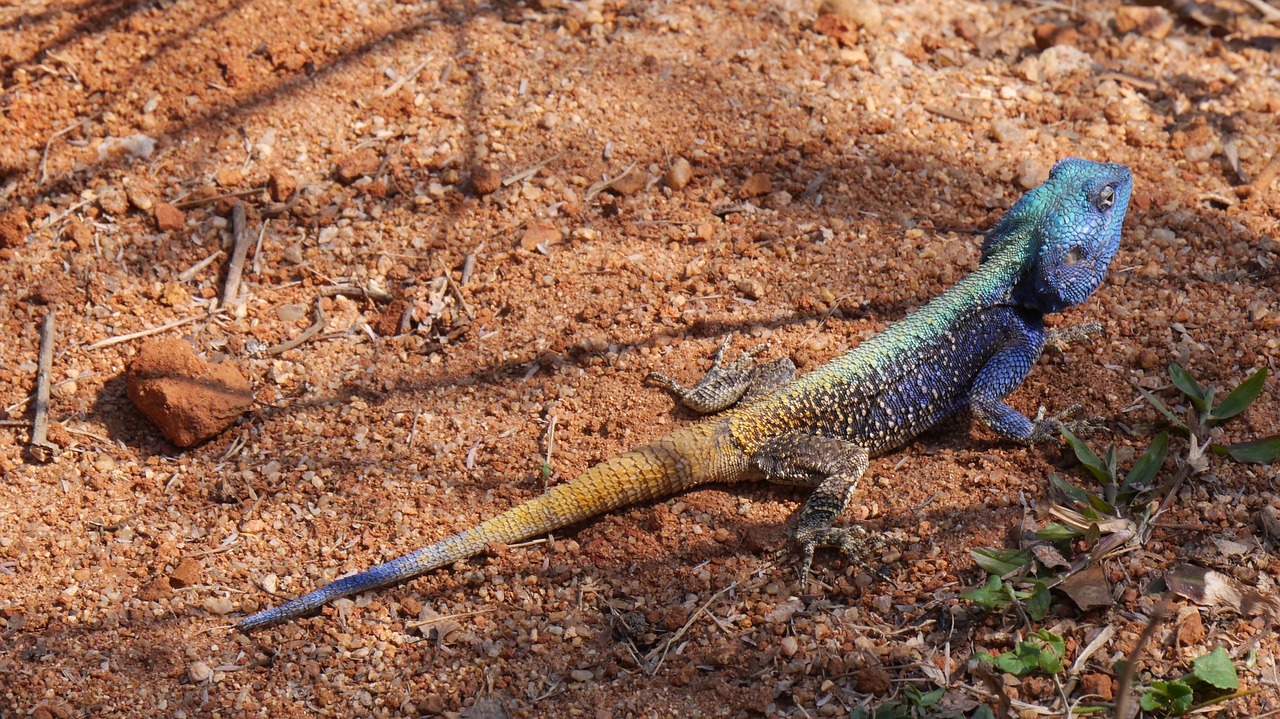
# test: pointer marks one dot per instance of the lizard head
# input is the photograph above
(1068, 228)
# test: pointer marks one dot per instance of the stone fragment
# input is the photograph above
(629, 184)
(1031, 173)
(113, 201)
(198, 672)
(168, 217)
(78, 233)
(838, 28)
(756, 185)
(228, 177)
(865, 14)
(281, 185)
(1048, 35)
(679, 175)
(485, 181)
(539, 233)
(158, 589)
(1063, 60)
(1097, 685)
(1152, 22)
(1007, 132)
(14, 227)
(186, 574)
(354, 165)
(218, 606)
(187, 398)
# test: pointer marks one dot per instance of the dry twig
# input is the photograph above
(239, 251)
(40, 447)
(316, 326)
(153, 331)
(1263, 181)
(187, 274)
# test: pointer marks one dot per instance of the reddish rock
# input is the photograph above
(156, 590)
(757, 185)
(14, 227)
(168, 217)
(281, 185)
(485, 181)
(837, 27)
(188, 399)
(354, 165)
(539, 233)
(873, 680)
(1097, 685)
(186, 574)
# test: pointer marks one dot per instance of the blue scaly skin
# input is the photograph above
(969, 347)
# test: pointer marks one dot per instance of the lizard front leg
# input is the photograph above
(723, 386)
(1001, 374)
(832, 467)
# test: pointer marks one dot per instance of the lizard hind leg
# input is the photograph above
(725, 385)
(832, 467)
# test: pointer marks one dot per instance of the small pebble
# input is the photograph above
(252, 526)
(227, 177)
(1031, 173)
(539, 233)
(865, 14)
(292, 312)
(113, 202)
(751, 288)
(1006, 131)
(1048, 35)
(757, 185)
(629, 184)
(485, 181)
(281, 185)
(1152, 22)
(581, 675)
(199, 672)
(353, 166)
(789, 646)
(168, 217)
(679, 175)
(218, 606)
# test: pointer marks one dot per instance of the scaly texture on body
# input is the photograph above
(968, 348)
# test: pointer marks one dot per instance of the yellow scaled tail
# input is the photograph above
(686, 458)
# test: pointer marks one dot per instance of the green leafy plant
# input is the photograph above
(1207, 415)
(918, 704)
(1212, 678)
(924, 701)
(1041, 651)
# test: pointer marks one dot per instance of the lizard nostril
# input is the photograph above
(1074, 255)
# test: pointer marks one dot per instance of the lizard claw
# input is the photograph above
(1048, 428)
(1061, 340)
(852, 541)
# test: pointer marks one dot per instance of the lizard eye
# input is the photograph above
(1074, 255)
(1106, 198)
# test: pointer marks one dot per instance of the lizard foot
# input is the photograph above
(853, 541)
(1061, 340)
(1045, 429)
(720, 387)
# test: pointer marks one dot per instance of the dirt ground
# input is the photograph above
(442, 161)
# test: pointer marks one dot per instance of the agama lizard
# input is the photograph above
(969, 347)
